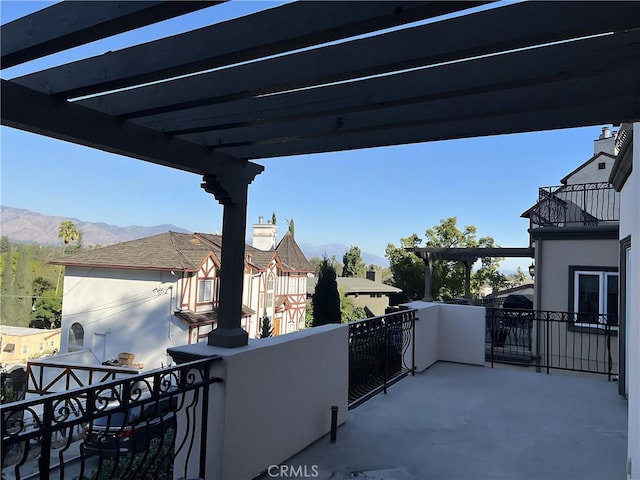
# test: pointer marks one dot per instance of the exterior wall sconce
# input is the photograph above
(532, 270)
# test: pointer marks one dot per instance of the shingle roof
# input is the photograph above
(257, 258)
(356, 285)
(181, 252)
(291, 255)
(165, 251)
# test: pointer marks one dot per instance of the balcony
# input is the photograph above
(456, 421)
(587, 204)
(238, 413)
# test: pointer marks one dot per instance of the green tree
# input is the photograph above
(8, 303)
(67, 232)
(47, 309)
(317, 261)
(265, 327)
(326, 299)
(308, 314)
(353, 264)
(516, 279)
(349, 312)
(448, 277)
(407, 270)
(5, 244)
(23, 289)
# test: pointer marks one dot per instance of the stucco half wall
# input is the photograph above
(275, 398)
(452, 333)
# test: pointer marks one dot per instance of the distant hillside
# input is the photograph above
(339, 250)
(22, 225)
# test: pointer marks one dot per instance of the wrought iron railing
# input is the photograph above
(381, 352)
(579, 204)
(552, 340)
(131, 428)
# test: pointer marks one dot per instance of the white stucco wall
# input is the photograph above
(256, 417)
(451, 333)
(630, 225)
(427, 323)
(462, 330)
(132, 314)
(591, 173)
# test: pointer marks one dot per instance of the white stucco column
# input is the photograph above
(633, 316)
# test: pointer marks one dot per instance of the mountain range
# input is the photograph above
(21, 225)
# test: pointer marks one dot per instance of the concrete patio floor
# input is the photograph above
(461, 422)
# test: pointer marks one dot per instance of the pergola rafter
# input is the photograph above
(268, 85)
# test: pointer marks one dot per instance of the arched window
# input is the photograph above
(76, 336)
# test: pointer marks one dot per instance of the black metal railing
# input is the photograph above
(381, 352)
(579, 204)
(132, 428)
(552, 340)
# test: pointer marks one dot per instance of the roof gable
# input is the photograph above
(291, 255)
(586, 164)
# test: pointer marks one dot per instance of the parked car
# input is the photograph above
(132, 431)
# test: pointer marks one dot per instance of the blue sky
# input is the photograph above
(366, 197)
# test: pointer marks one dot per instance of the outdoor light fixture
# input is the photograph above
(532, 270)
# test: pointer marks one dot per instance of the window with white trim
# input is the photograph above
(205, 291)
(595, 297)
(271, 280)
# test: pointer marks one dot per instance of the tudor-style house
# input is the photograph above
(143, 296)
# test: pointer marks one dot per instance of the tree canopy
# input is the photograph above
(68, 232)
(353, 264)
(23, 285)
(326, 299)
(265, 327)
(448, 277)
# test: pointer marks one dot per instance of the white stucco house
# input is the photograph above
(143, 296)
(625, 178)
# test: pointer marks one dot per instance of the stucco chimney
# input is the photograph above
(264, 235)
(606, 142)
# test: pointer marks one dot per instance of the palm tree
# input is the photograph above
(67, 232)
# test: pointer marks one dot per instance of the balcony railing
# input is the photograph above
(578, 342)
(129, 428)
(572, 205)
(381, 352)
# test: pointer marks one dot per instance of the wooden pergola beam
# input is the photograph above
(550, 64)
(39, 113)
(462, 107)
(464, 254)
(268, 32)
(69, 24)
(488, 32)
(608, 110)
